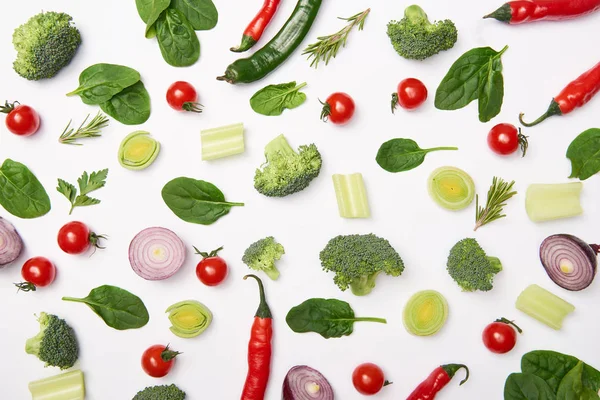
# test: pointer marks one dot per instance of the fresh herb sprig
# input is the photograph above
(91, 130)
(328, 46)
(87, 183)
(499, 193)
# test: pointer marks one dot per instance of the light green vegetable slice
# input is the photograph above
(451, 187)
(138, 150)
(67, 386)
(544, 306)
(351, 196)
(222, 142)
(189, 318)
(425, 313)
(545, 202)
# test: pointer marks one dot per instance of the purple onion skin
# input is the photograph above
(289, 394)
(7, 256)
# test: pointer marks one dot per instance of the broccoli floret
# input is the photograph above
(45, 44)
(55, 344)
(160, 392)
(286, 171)
(262, 254)
(358, 259)
(414, 37)
(470, 267)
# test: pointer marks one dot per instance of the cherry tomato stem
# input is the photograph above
(506, 321)
(212, 269)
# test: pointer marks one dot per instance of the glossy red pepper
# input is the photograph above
(256, 27)
(436, 381)
(518, 12)
(574, 95)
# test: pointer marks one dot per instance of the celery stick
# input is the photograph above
(553, 201)
(544, 306)
(222, 141)
(351, 196)
(67, 386)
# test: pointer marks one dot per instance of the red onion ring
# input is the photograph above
(11, 244)
(305, 383)
(569, 261)
(156, 253)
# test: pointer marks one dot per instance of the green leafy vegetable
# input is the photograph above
(223, 141)
(571, 387)
(201, 14)
(131, 106)
(100, 82)
(351, 195)
(584, 153)
(21, 193)
(546, 202)
(399, 155)
(273, 99)
(177, 40)
(498, 194)
(150, 10)
(87, 183)
(527, 387)
(56, 387)
(91, 130)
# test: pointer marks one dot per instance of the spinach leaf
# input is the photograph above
(118, 308)
(202, 14)
(398, 155)
(571, 387)
(196, 201)
(177, 40)
(552, 367)
(330, 318)
(527, 387)
(99, 82)
(584, 153)
(477, 74)
(150, 10)
(21, 193)
(273, 99)
(131, 106)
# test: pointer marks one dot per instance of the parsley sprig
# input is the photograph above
(499, 193)
(87, 184)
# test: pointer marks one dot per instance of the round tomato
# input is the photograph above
(411, 94)
(368, 379)
(338, 108)
(158, 360)
(182, 96)
(21, 120)
(75, 238)
(37, 271)
(506, 138)
(500, 336)
(212, 269)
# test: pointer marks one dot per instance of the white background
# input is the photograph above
(542, 58)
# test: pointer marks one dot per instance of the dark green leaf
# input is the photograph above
(491, 92)
(584, 153)
(527, 387)
(21, 193)
(398, 155)
(201, 14)
(131, 106)
(92, 182)
(150, 10)
(67, 189)
(552, 367)
(99, 82)
(273, 99)
(84, 200)
(571, 387)
(177, 40)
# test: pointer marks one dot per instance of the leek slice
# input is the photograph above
(351, 196)
(451, 188)
(66, 386)
(425, 313)
(544, 306)
(222, 142)
(138, 150)
(189, 318)
(545, 202)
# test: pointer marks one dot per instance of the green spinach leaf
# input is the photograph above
(552, 367)
(398, 155)
(21, 193)
(201, 14)
(99, 82)
(131, 106)
(273, 99)
(584, 153)
(177, 40)
(527, 387)
(571, 387)
(149, 11)
(196, 201)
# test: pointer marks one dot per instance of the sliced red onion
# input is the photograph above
(305, 383)
(11, 244)
(569, 261)
(156, 253)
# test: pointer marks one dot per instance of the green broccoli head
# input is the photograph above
(160, 392)
(45, 44)
(358, 259)
(287, 171)
(414, 37)
(262, 254)
(55, 344)
(470, 267)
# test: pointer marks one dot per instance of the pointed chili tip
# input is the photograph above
(502, 14)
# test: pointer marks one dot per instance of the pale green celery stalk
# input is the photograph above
(351, 196)
(553, 201)
(67, 386)
(544, 306)
(222, 142)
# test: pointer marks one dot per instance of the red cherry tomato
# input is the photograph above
(506, 138)
(500, 336)
(182, 96)
(158, 360)
(21, 120)
(368, 379)
(75, 238)
(411, 94)
(37, 272)
(338, 108)
(212, 269)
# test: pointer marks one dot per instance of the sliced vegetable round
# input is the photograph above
(156, 253)
(189, 318)
(451, 188)
(425, 313)
(569, 261)
(11, 244)
(138, 150)
(305, 383)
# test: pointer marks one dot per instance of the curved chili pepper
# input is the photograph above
(575, 94)
(436, 381)
(259, 349)
(256, 27)
(518, 12)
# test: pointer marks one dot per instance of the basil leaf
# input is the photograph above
(273, 99)
(196, 201)
(584, 153)
(398, 155)
(99, 82)
(21, 193)
(552, 367)
(118, 308)
(201, 14)
(131, 106)
(527, 387)
(177, 40)
(149, 11)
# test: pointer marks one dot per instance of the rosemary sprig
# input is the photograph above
(92, 129)
(499, 192)
(328, 46)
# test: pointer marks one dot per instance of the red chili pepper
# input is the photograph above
(256, 27)
(436, 381)
(575, 94)
(518, 12)
(259, 349)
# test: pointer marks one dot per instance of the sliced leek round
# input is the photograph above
(138, 150)
(425, 313)
(452, 188)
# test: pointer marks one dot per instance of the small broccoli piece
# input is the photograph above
(470, 267)
(262, 254)
(286, 171)
(55, 344)
(414, 37)
(45, 44)
(358, 259)
(160, 392)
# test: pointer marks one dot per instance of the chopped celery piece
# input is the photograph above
(351, 196)
(544, 306)
(67, 386)
(222, 141)
(545, 202)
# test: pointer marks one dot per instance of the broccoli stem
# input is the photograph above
(495, 262)
(363, 285)
(278, 145)
(416, 15)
